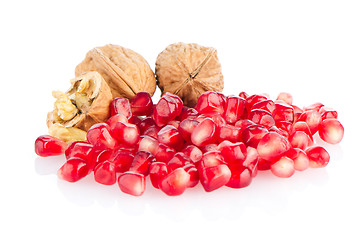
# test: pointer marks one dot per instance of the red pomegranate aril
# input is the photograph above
(285, 97)
(297, 111)
(243, 95)
(141, 104)
(244, 123)
(126, 133)
(204, 133)
(211, 147)
(122, 160)
(121, 105)
(300, 158)
(283, 168)
(253, 99)
(179, 160)
(148, 144)
(132, 183)
(229, 132)
(300, 140)
(105, 173)
(211, 159)
(177, 100)
(141, 162)
(234, 108)
(145, 124)
(303, 126)
(175, 183)
(187, 126)
(272, 145)
(46, 146)
(315, 106)
(279, 131)
(266, 105)
(327, 113)
(116, 118)
(251, 160)
(158, 170)
(214, 177)
(331, 131)
(73, 170)
(233, 153)
(79, 149)
(98, 155)
(194, 175)
(261, 117)
(285, 126)
(211, 102)
(164, 153)
(152, 131)
(187, 112)
(318, 156)
(263, 164)
(215, 116)
(193, 152)
(252, 135)
(313, 118)
(164, 111)
(99, 135)
(283, 112)
(170, 136)
(240, 178)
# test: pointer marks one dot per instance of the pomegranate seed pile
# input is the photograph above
(223, 141)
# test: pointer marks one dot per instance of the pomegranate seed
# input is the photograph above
(300, 158)
(141, 104)
(152, 131)
(193, 152)
(313, 118)
(233, 153)
(148, 144)
(252, 135)
(126, 133)
(121, 105)
(164, 153)
(263, 164)
(279, 131)
(266, 105)
(83, 150)
(300, 140)
(303, 126)
(297, 111)
(283, 168)
(286, 127)
(145, 124)
(179, 160)
(215, 116)
(211, 102)
(272, 145)
(99, 135)
(177, 100)
(327, 113)
(98, 156)
(187, 112)
(318, 156)
(164, 111)
(285, 97)
(209, 148)
(243, 95)
(122, 160)
(234, 109)
(194, 175)
(46, 146)
(253, 99)
(314, 106)
(243, 123)
(204, 133)
(105, 173)
(251, 160)
(229, 132)
(214, 177)
(158, 170)
(187, 126)
(240, 178)
(283, 112)
(132, 183)
(175, 183)
(73, 170)
(116, 118)
(141, 162)
(170, 136)
(211, 159)
(331, 131)
(261, 117)
(174, 123)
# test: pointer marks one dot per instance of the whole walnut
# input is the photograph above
(125, 71)
(188, 70)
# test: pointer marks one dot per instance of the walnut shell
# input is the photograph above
(125, 71)
(90, 95)
(188, 70)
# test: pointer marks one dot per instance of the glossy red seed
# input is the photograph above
(318, 156)
(272, 145)
(243, 123)
(175, 183)
(215, 116)
(164, 153)
(148, 144)
(252, 135)
(214, 177)
(177, 100)
(253, 99)
(233, 153)
(211, 147)
(164, 111)
(46, 146)
(116, 118)
(266, 105)
(132, 183)
(210, 159)
(122, 106)
(300, 140)
(73, 170)
(105, 173)
(187, 112)
(170, 136)
(243, 95)
(300, 158)
(194, 175)
(261, 117)
(99, 135)
(83, 150)
(122, 160)
(152, 131)
(327, 113)
(283, 112)
(141, 104)
(313, 118)
(141, 162)
(240, 178)
(263, 164)
(204, 133)
(145, 123)
(331, 131)
(315, 106)
(211, 102)
(179, 160)
(234, 108)
(229, 132)
(283, 168)
(285, 126)
(187, 126)
(251, 160)
(193, 152)
(126, 133)
(98, 156)
(285, 97)
(158, 170)
(302, 126)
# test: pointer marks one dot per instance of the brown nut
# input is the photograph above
(125, 71)
(188, 70)
(84, 104)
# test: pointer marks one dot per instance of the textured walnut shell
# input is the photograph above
(125, 71)
(188, 70)
(99, 97)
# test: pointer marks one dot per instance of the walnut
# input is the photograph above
(188, 70)
(84, 104)
(125, 71)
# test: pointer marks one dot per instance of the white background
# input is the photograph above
(312, 49)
